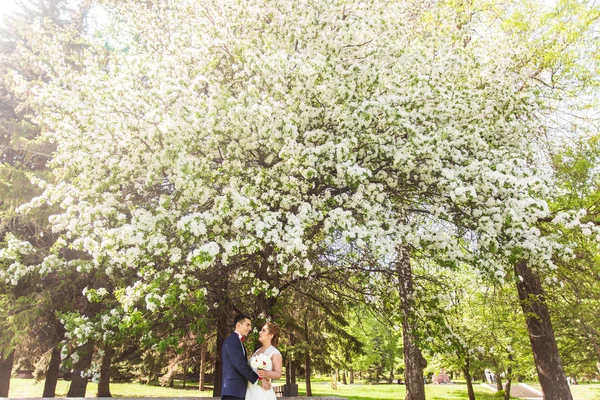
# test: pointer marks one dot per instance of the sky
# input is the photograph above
(6, 6)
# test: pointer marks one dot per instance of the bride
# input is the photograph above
(268, 337)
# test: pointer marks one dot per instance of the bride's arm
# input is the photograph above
(276, 373)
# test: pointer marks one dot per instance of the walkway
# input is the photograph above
(177, 398)
(520, 390)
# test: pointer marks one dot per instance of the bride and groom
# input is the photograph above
(250, 380)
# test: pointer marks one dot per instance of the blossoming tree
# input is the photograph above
(224, 136)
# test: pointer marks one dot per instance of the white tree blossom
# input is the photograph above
(233, 128)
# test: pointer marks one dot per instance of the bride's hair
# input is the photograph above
(274, 330)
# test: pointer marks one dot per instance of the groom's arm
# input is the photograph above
(238, 361)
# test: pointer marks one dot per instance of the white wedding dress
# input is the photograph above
(256, 392)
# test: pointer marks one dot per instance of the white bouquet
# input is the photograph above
(261, 361)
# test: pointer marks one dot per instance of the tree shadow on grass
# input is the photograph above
(388, 392)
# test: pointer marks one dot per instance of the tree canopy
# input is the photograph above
(203, 158)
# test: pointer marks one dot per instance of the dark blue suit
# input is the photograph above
(236, 371)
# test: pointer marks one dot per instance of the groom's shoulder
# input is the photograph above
(230, 336)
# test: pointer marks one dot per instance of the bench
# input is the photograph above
(286, 390)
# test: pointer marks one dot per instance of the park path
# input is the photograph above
(521, 391)
(169, 398)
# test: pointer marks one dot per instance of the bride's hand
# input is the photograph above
(262, 373)
(266, 385)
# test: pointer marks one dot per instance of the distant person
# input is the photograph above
(488, 378)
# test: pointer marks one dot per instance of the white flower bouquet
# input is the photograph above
(261, 361)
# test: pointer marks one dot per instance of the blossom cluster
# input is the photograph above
(230, 130)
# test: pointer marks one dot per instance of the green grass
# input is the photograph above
(321, 387)
(433, 392)
(29, 388)
(590, 391)
(587, 391)
(394, 391)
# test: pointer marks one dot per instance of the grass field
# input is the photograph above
(29, 388)
(583, 391)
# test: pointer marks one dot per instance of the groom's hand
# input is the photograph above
(266, 384)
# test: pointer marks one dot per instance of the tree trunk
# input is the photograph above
(185, 367)
(307, 374)
(508, 377)
(352, 376)
(507, 389)
(78, 383)
(52, 373)
(413, 359)
(469, 379)
(104, 384)
(222, 331)
(541, 335)
(202, 366)
(168, 379)
(288, 370)
(344, 378)
(6, 365)
(499, 383)
(391, 380)
(293, 378)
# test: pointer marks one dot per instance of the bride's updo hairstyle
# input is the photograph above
(275, 331)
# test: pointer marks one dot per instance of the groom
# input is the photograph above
(236, 371)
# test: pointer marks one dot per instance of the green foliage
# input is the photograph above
(345, 313)
(575, 290)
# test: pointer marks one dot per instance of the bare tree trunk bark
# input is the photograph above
(507, 389)
(352, 376)
(78, 383)
(52, 373)
(413, 359)
(541, 335)
(6, 365)
(222, 331)
(345, 381)
(499, 385)
(508, 377)
(469, 379)
(202, 366)
(293, 371)
(307, 374)
(185, 367)
(168, 378)
(104, 384)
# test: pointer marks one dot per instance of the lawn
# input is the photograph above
(382, 392)
(28, 388)
(589, 391)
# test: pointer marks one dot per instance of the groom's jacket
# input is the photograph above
(236, 371)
